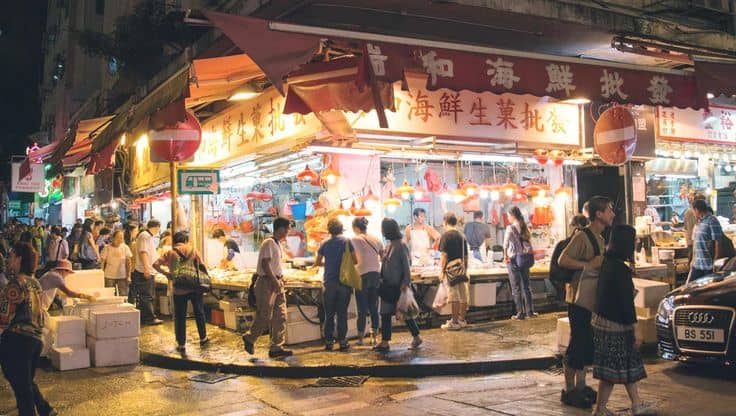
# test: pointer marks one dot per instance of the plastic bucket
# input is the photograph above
(299, 211)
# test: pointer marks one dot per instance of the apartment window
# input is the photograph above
(100, 7)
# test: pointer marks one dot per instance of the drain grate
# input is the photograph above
(347, 381)
(211, 378)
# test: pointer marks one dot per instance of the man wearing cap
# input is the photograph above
(54, 279)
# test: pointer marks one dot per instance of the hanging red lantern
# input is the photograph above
(177, 142)
(541, 156)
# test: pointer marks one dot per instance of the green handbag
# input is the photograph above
(349, 275)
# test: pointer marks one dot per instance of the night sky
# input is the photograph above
(22, 24)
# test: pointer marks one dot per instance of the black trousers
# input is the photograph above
(180, 316)
(144, 289)
(581, 350)
(19, 357)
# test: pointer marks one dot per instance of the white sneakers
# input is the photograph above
(451, 325)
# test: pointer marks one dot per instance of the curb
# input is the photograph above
(384, 371)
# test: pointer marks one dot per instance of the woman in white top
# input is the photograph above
(58, 247)
(116, 259)
(368, 250)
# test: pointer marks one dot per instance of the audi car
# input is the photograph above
(695, 322)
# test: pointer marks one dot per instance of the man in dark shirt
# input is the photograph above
(477, 232)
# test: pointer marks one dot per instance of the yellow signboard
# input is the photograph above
(145, 174)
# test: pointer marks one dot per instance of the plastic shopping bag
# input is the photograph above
(407, 305)
(440, 299)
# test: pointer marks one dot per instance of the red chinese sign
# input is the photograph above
(564, 79)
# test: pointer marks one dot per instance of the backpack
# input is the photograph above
(559, 274)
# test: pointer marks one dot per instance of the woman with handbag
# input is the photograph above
(368, 250)
(519, 259)
(617, 359)
(336, 294)
(395, 278)
(180, 260)
(454, 266)
(89, 255)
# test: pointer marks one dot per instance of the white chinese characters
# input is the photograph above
(437, 67)
(611, 84)
(560, 79)
(378, 61)
(502, 73)
(659, 88)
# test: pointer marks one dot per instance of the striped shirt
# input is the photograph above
(707, 230)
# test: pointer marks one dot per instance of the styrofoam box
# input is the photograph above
(646, 312)
(113, 351)
(107, 324)
(293, 314)
(648, 329)
(99, 292)
(85, 310)
(65, 323)
(563, 334)
(239, 322)
(69, 358)
(233, 304)
(650, 293)
(298, 332)
(83, 279)
(483, 294)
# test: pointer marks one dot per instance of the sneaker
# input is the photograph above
(204, 341)
(329, 346)
(575, 398)
(416, 342)
(181, 348)
(53, 412)
(463, 324)
(590, 394)
(518, 317)
(248, 346)
(344, 346)
(452, 326)
(533, 315)
(644, 409)
(156, 321)
(280, 353)
(381, 348)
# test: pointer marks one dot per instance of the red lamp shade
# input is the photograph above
(307, 175)
(558, 157)
(541, 155)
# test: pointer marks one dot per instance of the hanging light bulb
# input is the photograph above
(307, 175)
(392, 203)
(419, 191)
(470, 188)
(458, 196)
(484, 192)
(445, 192)
(330, 176)
(509, 189)
(370, 200)
(405, 190)
(495, 194)
(563, 193)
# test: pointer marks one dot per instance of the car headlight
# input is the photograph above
(666, 306)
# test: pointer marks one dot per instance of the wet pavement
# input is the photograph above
(675, 389)
(481, 348)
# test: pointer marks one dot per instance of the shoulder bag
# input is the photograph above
(190, 274)
(524, 256)
(456, 270)
(349, 275)
(585, 282)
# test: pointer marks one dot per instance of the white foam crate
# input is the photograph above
(483, 294)
(113, 351)
(298, 332)
(293, 314)
(69, 358)
(563, 334)
(121, 323)
(650, 293)
(85, 279)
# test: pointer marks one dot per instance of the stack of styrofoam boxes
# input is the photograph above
(563, 334)
(300, 330)
(238, 317)
(647, 299)
(483, 294)
(112, 335)
(66, 337)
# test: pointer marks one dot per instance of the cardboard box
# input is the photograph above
(69, 358)
(483, 294)
(650, 293)
(293, 314)
(298, 332)
(233, 304)
(85, 279)
(121, 323)
(563, 334)
(113, 351)
(646, 312)
(648, 329)
(239, 321)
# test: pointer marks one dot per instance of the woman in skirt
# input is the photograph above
(615, 335)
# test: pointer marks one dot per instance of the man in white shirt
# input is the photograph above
(270, 294)
(143, 275)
